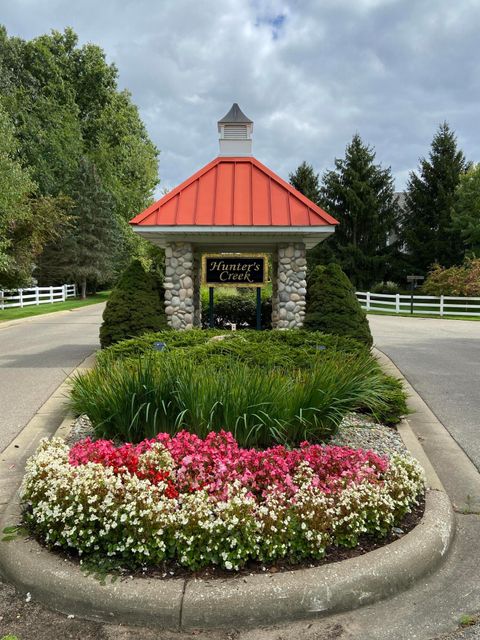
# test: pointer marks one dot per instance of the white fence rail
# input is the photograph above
(418, 304)
(36, 296)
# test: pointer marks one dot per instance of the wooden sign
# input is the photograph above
(235, 271)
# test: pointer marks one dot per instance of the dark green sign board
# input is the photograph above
(233, 271)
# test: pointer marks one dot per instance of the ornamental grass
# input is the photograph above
(202, 502)
(136, 398)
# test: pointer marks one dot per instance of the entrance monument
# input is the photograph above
(232, 210)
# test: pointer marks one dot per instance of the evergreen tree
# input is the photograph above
(134, 307)
(87, 251)
(332, 306)
(466, 211)
(360, 195)
(427, 221)
(305, 180)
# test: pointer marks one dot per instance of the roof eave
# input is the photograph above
(235, 235)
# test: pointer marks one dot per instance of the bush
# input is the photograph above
(236, 307)
(386, 287)
(456, 281)
(210, 387)
(292, 349)
(208, 502)
(332, 305)
(134, 306)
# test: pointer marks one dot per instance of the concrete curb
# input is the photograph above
(243, 602)
(250, 601)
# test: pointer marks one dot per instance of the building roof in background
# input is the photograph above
(230, 192)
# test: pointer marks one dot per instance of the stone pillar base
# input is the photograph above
(178, 285)
(291, 286)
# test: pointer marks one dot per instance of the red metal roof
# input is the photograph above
(234, 192)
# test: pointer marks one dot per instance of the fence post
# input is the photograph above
(368, 300)
(20, 297)
(64, 293)
(51, 294)
(2, 303)
(441, 305)
(397, 303)
(37, 296)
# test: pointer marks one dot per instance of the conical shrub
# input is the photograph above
(332, 306)
(134, 306)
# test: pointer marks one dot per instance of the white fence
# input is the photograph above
(36, 295)
(417, 304)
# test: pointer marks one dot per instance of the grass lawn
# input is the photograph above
(33, 310)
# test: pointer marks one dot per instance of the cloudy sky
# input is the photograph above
(309, 73)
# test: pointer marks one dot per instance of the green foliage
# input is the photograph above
(360, 195)
(88, 247)
(232, 306)
(266, 387)
(385, 287)
(456, 281)
(305, 180)
(169, 391)
(466, 211)
(66, 105)
(332, 305)
(134, 307)
(27, 221)
(284, 349)
(427, 220)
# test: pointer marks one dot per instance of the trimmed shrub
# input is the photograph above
(332, 305)
(298, 348)
(134, 306)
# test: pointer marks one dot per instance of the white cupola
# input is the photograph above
(235, 131)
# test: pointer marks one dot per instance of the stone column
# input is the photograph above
(292, 285)
(197, 294)
(274, 278)
(179, 285)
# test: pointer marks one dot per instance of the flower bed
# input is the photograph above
(210, 502)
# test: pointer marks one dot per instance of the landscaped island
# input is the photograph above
(218, 453)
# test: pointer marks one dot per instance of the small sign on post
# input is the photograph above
(413, 281)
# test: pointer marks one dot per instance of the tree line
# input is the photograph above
(384, 236)
(76, 163)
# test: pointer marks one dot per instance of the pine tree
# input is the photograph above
(305, 180)
(332, 306)
(87, 250)
(134, 306)
(360, 195)
(427, 221)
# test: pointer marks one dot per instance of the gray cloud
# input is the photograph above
(310, 73)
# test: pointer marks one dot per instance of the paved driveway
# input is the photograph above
(441, 360)
(36, 355)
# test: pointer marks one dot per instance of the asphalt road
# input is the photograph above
(441, 360)
(36, 355)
